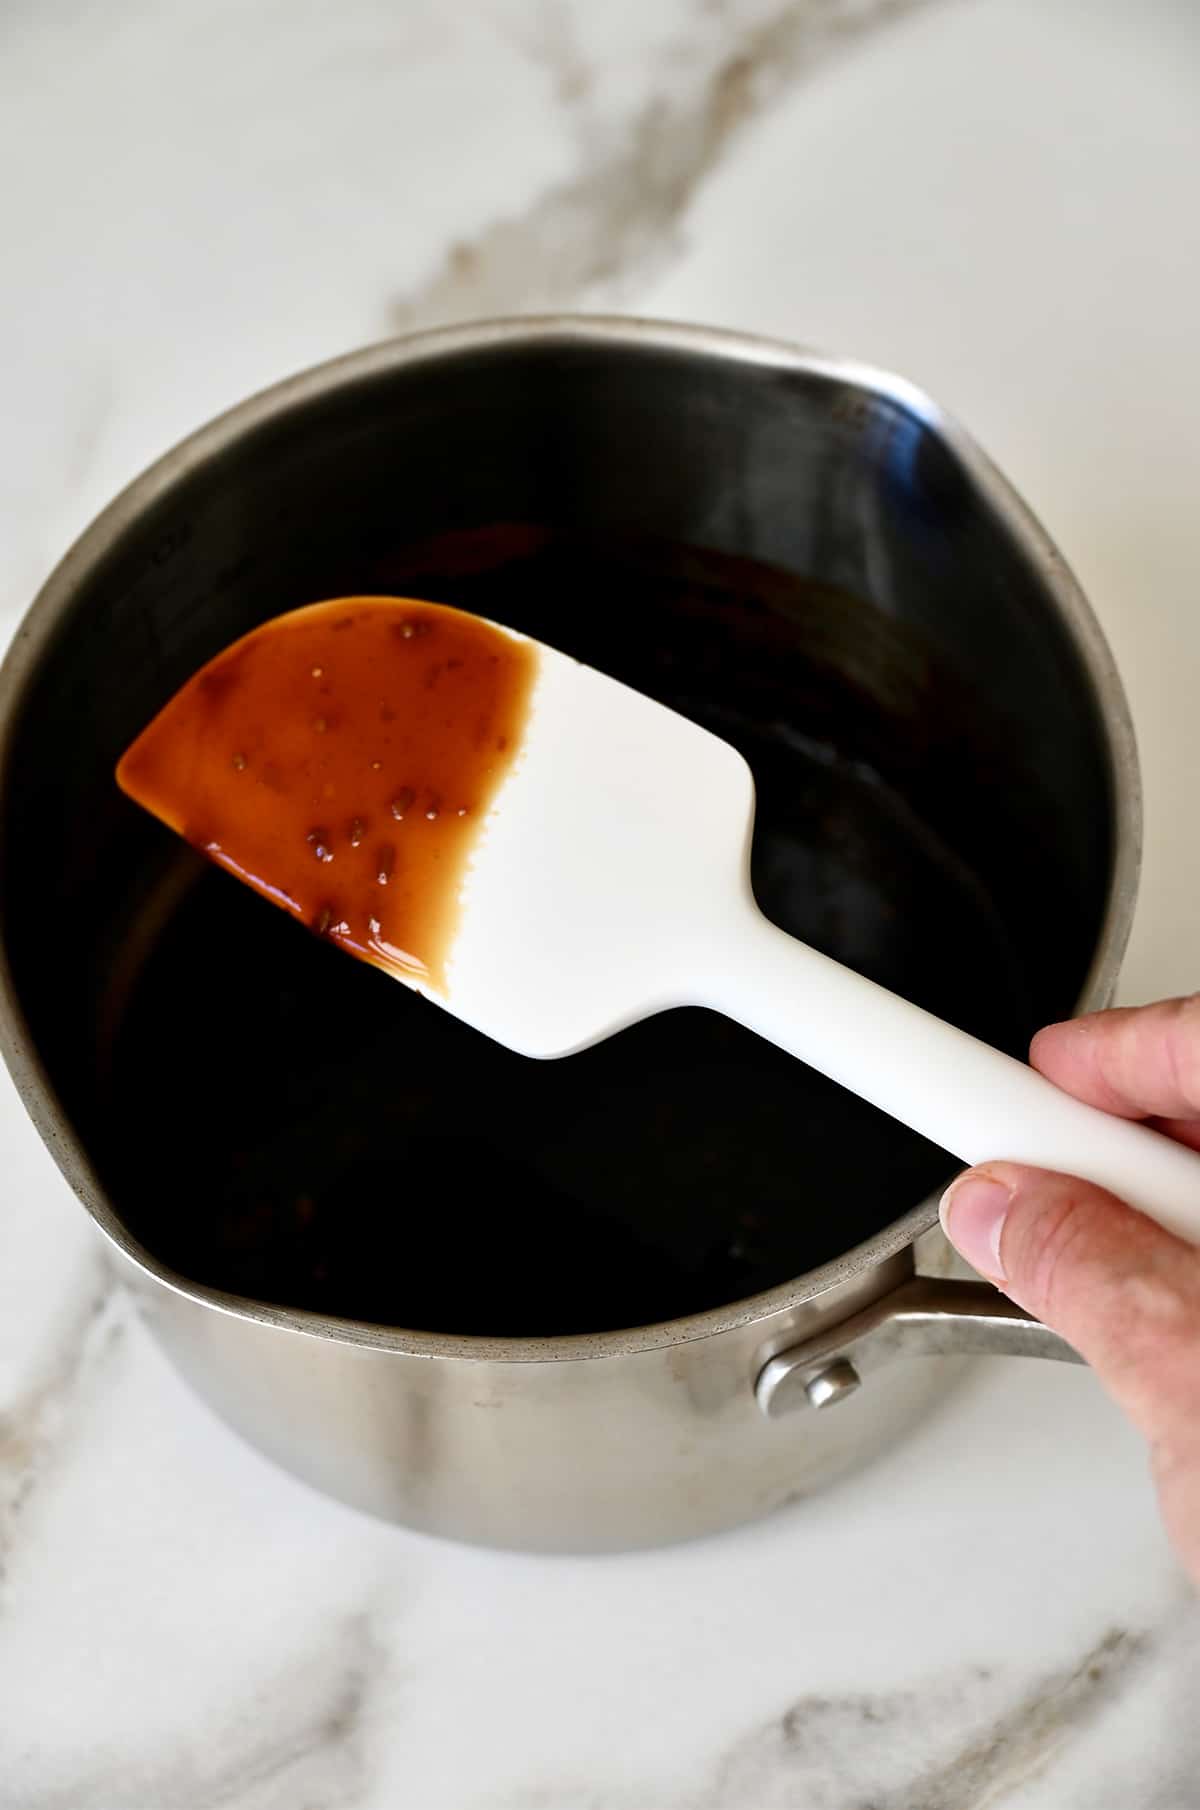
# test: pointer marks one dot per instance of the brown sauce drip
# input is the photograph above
(341, 759)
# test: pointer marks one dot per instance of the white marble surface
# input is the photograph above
(997, 197)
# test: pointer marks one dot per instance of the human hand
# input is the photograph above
(1125, 1293)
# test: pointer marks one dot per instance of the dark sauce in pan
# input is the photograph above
(293, 1127)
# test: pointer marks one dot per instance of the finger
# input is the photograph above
(1136, 1061)
(1124, 1292)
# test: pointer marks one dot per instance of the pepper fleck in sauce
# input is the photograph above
(341, 760)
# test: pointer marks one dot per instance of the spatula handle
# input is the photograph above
(960, 1093)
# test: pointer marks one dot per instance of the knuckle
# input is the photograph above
(1049, 1251)
(1128, 1307)
(1151, 1322)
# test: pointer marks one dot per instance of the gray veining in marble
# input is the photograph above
(298, 1741)
(37, 1420)
(586, 241)
(992, 1733)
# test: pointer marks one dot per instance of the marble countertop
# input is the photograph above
(995, 197)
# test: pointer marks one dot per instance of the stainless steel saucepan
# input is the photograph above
(938, 656)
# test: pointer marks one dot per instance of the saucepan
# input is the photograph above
(670, 1284)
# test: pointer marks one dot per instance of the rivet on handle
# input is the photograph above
(923, 1317)
(833, 1385)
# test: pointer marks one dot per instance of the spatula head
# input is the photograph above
(545, 852)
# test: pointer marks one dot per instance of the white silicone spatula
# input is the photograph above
(610, 880)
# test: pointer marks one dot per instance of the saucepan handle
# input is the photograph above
(924, 1317)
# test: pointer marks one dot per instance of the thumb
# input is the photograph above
(1124, 1292)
